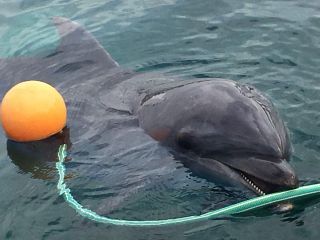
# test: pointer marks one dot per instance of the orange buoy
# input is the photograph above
(31, 111)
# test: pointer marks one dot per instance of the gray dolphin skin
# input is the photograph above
(218, 128)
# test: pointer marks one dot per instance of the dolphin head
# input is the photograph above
(228, 128)
(261, 166)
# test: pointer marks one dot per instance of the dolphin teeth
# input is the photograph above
(252, 184)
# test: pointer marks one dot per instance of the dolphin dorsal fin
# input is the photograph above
(76, 41)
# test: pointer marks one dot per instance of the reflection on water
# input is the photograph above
(38, 157)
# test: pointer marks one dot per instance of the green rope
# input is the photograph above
(233, 209)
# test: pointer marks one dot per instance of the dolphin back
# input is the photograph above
(75, 41)
(78, 57)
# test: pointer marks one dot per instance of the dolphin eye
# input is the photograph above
(185, 140)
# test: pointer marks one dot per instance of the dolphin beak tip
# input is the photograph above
(292, 181)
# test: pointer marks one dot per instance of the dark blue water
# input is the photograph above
(273, 45)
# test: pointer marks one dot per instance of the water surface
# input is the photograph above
(273, 45)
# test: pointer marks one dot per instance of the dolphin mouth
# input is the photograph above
(262, 174)
(260, 186)
(256, 174)
(263, 187)
(251, 184)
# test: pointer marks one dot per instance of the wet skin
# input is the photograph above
(219, 128)
(227, 127)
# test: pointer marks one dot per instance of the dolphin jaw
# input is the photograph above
(262, 187)
(252, 185)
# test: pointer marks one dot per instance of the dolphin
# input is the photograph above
(218, 128)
